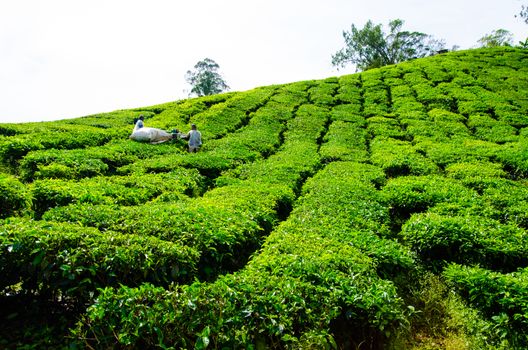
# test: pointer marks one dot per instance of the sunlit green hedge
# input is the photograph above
(466, 240)
(306, 275)
(120, 190)
(502, 297)
(69, 260)
(89, 162)
(15, 197)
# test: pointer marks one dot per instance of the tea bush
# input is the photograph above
(344, 141)
(92, 161)
(322, 93)
(489, 129)
(385, 126)
(399, 158)
(15, 198)
(72, 261)
(471, 170)
(514, 156)
(414, 194)
(306, 276)
(502, 297)
(466, 240)
(456, 151)
(296, 159)
(13, 148)
(121, 190)
(224, 226)
(260, 137)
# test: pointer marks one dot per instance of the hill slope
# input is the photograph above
(343, 212)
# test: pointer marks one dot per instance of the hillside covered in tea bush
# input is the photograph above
(381, 210)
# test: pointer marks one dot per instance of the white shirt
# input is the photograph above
(195, 138)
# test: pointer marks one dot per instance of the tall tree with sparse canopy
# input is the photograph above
(499, 37)
(205, 79)
(524, 13)
(370, 47)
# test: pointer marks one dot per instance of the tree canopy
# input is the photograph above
(370, 47)
(499, 37)
(205, 79)
(524, 13)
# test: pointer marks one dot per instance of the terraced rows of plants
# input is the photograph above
(384, 209)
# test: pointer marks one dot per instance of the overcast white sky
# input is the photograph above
(70, 58)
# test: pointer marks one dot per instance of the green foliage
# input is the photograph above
(15, 197)
(89, 162)
(370, 47)
(515, 158)
(207, 224)
(472, 170)
(466, 240)
(489, 129)
(499, 37)
(385, 126)
(318, 214)
(415, 194)
(322, 94)
(59, 136)
(455, 151)
(69, 260)
(205, 79)
(399, 158)
(286, 295)
(344, 141)
(120, 190)
(502, 297)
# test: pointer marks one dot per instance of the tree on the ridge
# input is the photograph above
(370, 47)
(524, 13)
(205, 79)
(499, 37)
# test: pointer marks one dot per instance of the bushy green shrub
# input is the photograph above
(436, 74)
(225, 225)
(408, 108)
(385, 126)
(441, 125)
(13, 148)
(69, 260)
(92, 161)
(349, 93)
(414, 194)
(348, 113)
(512, 116)
(433, 97)
(502, 297)
(455, 151)
(295, 160)
(15, 198)
(415, 76)
(472, 170)
(486, 128)
(344, 141)
(120, 190)
(307, 276)
(509, 201)
(398, 158)
(466, 240)
(514, 156)
(322, 94)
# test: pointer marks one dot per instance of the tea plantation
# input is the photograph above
(381, 210)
